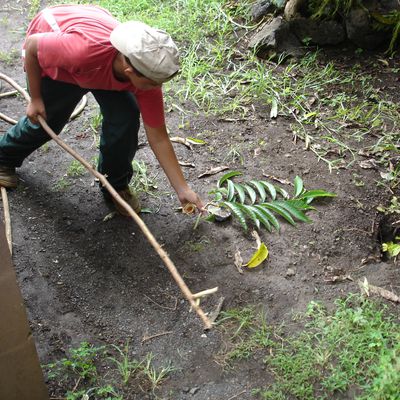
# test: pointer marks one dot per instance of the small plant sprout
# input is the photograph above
(142, 181)
(155, 376)
(126, 367)
(75, 169)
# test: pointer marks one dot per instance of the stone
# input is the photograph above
(360, 30)
(325, 32)
(290, 272)
(276, 37)
(261, 9)
(293, 9)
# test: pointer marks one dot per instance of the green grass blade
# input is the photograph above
(260, 188)
(227, 176)
(237, 212)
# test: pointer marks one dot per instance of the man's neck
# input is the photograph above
(118, 68)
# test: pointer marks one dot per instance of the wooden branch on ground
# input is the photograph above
(160, 251)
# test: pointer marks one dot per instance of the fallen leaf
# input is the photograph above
(213, 171)
(109, 216)
(368, 164)
(256, 236)
(274, 178)
(184, 141)
(195, 141)
(186, 164)
(238, 261)
(274, 109)
(258, 257)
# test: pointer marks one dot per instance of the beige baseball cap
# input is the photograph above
(151, 51)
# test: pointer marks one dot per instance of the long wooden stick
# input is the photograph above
(7, 219)
(163, 255)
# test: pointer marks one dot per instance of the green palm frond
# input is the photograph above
(247, 201)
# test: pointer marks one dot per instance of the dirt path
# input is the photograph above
(86, 279)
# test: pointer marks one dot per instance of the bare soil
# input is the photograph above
(84, 278)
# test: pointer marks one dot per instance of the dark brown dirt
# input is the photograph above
(86, 279)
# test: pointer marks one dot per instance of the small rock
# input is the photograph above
(290, 272)
(194, 390)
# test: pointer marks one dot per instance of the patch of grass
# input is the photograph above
(356, 345)
(248, 331)
(61, 184)
(142, 181)
(155, 375)
(81, 362)
(196, 246)
(126, 366)
(9, 57)
(76, 169)
(82, 368)
(34, 6)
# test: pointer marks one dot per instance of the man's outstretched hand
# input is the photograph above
(188, 196)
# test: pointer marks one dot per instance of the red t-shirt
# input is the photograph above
(78, 50)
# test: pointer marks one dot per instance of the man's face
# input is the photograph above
(142, 82)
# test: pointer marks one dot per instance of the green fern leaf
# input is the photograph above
(251, 192)
(281, 211)
(271, 189)
(282, 192)
(237, 212)
(300, 204)
(231, 190)
(312, 194)
(260, 188)
(240, 191)
(293, 211)
(227, 176)
(268, 214)
(248, 210)
(261, 217)
(298, 186)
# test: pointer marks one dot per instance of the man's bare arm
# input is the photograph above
(163, 150)
(34, 75)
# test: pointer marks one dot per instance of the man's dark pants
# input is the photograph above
(119, 136)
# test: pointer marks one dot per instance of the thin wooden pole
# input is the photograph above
(160, 251)
(7, 219)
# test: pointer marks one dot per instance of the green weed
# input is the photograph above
(141, 180)
(81, 368)
(356, 345)
(81, 362)
(61, 184)
(10, 57)
(76, 169)
(125, 365)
